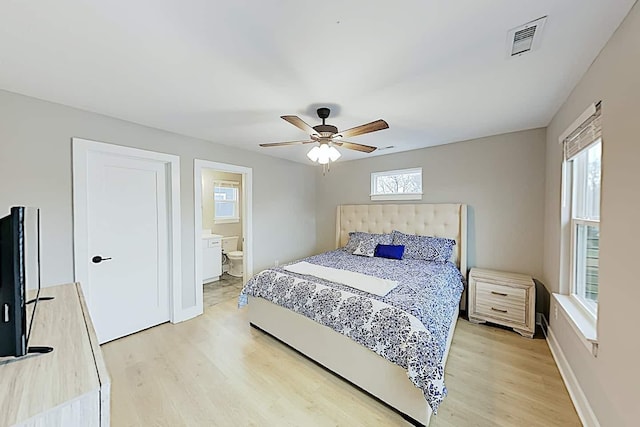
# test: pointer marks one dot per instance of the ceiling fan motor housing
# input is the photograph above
(325, 130)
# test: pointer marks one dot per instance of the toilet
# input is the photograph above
(230, 249)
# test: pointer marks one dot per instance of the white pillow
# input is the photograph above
(366, 247)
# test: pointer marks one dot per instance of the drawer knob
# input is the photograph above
(499, 293)
(498, 310)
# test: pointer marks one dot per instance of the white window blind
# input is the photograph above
(226, 184)
(584, 136)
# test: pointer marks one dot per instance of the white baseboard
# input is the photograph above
(542, 321)
(578, 398)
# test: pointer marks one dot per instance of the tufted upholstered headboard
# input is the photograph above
(441, 220)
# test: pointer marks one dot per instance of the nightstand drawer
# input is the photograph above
(491, 292)
(502, 302)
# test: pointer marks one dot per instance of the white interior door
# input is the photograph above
(127, 230)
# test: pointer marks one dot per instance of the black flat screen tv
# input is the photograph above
(19, 272)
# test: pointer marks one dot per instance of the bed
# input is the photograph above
(395, 384)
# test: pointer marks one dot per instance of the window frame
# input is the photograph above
(583, 132)
(395, 196)
(236, 202)
(589, 306)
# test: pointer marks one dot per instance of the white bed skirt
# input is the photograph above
(350, 360)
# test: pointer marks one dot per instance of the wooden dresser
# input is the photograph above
(508, 299)
(67, 387)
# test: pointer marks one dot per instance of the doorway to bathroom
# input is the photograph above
(223, 230)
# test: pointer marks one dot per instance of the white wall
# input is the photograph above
(501, 178)
(611, 382)
(35, 170)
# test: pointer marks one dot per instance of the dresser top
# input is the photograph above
(36, 383)
(500, 275)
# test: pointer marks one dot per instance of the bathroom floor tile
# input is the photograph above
(226, 288)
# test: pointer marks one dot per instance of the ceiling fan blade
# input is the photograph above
(362, 129)
(300, 124)
(278, 144)
(354, 146)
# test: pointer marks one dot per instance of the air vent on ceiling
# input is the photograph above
(525, 38)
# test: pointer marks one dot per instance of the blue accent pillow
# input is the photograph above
(389, 251)
(427, 248)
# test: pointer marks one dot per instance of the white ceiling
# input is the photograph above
(225, 71)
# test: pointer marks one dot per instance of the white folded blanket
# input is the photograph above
(364, 282)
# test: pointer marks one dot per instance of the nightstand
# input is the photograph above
(508, 299)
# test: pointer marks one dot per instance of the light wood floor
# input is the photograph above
(216, 370)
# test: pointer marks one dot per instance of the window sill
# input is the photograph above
(413, 196)
(226, 221)
(583, 324)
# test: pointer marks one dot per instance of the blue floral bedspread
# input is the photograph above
(409, 326)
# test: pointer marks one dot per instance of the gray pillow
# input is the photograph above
(428, 248)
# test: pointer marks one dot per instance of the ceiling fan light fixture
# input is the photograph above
(334, 154)
(323, 154)
(313, 154)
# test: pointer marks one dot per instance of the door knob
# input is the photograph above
(98, 259)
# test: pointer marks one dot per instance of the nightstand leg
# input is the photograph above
(524, 333)
(476, 321)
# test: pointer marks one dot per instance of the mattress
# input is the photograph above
(409, 326)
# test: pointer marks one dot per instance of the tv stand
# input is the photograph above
(66, 387)
(31, 301)
(39, 350)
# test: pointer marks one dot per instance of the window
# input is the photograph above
(585, 226)
(405, 184)
(225, 196)
(583, 153)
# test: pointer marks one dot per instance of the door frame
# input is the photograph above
(247, 220)
(80, 151)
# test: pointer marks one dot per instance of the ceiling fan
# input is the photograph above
(328, 137)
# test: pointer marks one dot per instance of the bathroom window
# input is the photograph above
(227, 207)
